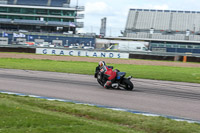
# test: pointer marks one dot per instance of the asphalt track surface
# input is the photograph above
(160, 97)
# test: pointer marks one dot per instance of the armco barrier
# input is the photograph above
(151, 57)
(193, 59)
(14, 49)
(164, 57)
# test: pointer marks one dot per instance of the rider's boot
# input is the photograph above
(107, 84)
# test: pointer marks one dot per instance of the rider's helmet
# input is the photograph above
(101, 64)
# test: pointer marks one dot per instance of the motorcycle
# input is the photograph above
(120, 81)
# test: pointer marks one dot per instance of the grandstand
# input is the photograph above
(42, 21)
(40, 15)
(169, 29)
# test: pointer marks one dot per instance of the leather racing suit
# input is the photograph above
(109, 74)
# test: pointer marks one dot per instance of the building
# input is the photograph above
(166, 30)
(43, 22)
(40, 15)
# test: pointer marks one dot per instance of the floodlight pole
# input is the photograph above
(76, 3)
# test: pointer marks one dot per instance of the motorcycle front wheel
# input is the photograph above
(128, 84)
(99, 80)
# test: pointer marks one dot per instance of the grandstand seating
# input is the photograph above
(179, 22)
(142, 35)
(144, 23)
(130, 21)
(194, 37)
(161, 36)
(193, 22)
(174, 23)
(162, 21)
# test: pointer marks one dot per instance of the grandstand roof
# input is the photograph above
(154, 10)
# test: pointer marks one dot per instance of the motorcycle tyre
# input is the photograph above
(129, 85)
(100, 82)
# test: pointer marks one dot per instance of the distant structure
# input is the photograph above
(43, 22)
(166, 30)
(103, 27)
(40, 15)
(163, 24)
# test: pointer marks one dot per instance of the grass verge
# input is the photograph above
(25, 114)
(182, 74)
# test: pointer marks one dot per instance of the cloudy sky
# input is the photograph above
(116, 11)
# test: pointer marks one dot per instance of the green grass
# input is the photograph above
(182, 74)
(31, 115)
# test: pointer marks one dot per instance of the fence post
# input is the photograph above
(184, 58)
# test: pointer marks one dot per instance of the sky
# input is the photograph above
(116, 12)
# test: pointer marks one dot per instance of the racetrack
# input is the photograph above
(160, 97)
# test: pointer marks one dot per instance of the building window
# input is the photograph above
(183, 46)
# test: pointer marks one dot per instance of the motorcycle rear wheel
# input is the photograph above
(129, 85)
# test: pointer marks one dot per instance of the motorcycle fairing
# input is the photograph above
(120, 74)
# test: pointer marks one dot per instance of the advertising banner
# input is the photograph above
(82, 53)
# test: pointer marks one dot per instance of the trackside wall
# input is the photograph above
(130, 56)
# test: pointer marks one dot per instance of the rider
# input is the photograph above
(107, 71)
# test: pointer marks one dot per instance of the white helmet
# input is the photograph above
(101, 64)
